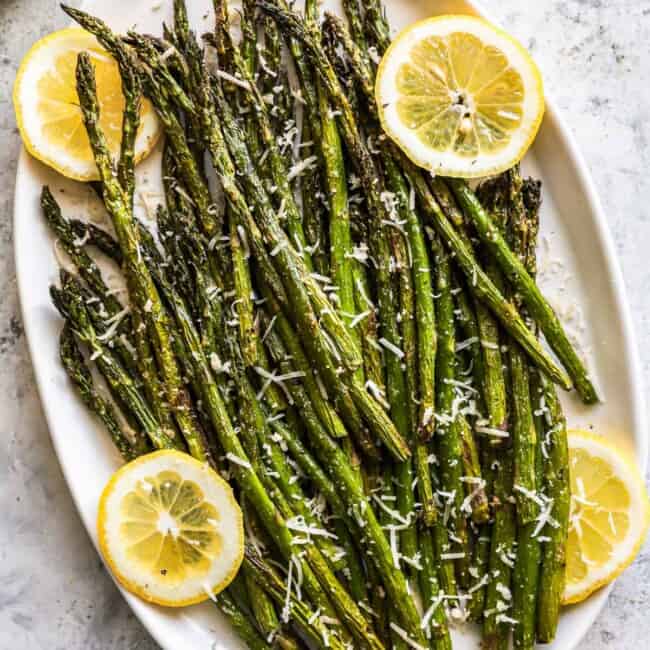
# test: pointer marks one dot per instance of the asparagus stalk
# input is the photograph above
(355, 19)
(310, 623)
(480, 283)
(448, 438)
(70, 302)
(474, 483)
(525, 579)
(289, 265)
(142, 289)
(91, 235)
(419, 344)
(262, 607)
(242, 624)
(79, 374)
(373, 364)
(425, 313)
(493, 384)
(244, 293)
(434, 618)
(496, 624)
(399, 400)
(557, 488)
(341, 261)
(524, 433)
(527, 448)
(339, 226)
(352, 493)
(516, 273)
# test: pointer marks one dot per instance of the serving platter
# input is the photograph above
(578, 272)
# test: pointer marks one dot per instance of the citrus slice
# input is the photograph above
(459, 96)
(47, 106)
(610, 513)
(170, 529)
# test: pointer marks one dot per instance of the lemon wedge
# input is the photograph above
(459, 96)
(610, 513)
(170, 529)
(47, 106)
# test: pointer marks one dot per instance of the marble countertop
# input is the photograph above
(54, 592)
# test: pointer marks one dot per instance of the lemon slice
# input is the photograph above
(170, 529)
(459, 96)
(47, 106)
(610, 513)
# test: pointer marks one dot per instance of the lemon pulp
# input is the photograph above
(168, 528)
(461, 95)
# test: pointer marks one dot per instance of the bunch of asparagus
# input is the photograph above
(352, 343)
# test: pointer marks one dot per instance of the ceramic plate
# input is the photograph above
(579, 274)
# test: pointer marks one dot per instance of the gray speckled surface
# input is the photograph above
(54, 592)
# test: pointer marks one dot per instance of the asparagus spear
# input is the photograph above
(289, 265)
(244, 293)
(352, 493)
(420, 446)
(355, 18)
(238, 619)
(91, 235)
(524, 434)
(527, 451)
(108, 315)
(425, 313)
(493, 384)
(262, 607)
(557, 488)
(339, 229)
(141, 286)
(516, 273)
(434, 618)
(279, 172)
(525, 579)
(70, 302)
(310, 623)
(340, 238)
(496, 625)
(372, 352)
(419, 343)
(448, 439)
(321, 406)
(400, 409)
(79, 374)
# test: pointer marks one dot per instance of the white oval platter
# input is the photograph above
(579, 274)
